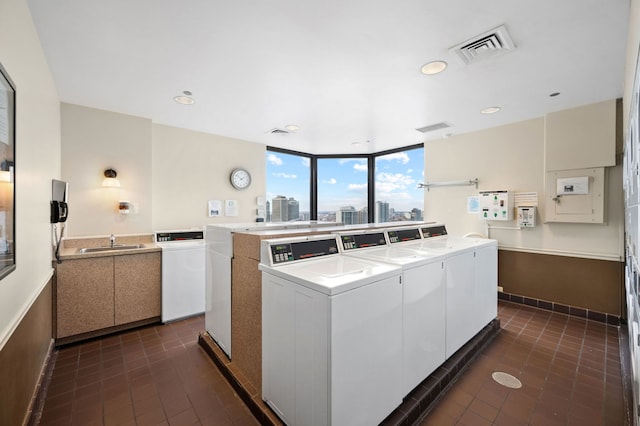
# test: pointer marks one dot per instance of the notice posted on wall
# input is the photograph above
(473, 204)
(215, 208)
(231, 207)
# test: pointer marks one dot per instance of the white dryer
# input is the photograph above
(472, 281)
(423, 297)
(331, 333)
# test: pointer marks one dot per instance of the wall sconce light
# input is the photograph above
(111, 179)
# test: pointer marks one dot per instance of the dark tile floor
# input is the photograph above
(158, 375)
(569, 368)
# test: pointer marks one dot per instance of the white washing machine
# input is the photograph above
(423, 297)
(471, 266)
(219, 252)
(331, 334)
(183, 273)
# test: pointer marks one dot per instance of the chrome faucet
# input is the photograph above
(112, 239)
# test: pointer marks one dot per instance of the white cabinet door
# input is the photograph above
(461, 301)
(424, 322)
(487, 284)
(217, 316)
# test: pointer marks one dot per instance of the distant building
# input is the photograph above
(279, 209)
(348, 215)
(293, 209)
(416, 214)
(268, 212)
(382, 211)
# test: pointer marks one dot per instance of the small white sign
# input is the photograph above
(573, 186)
(473, 204)
(215, 208)
(231, 207)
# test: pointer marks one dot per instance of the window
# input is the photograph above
(397, 175)
(356, 189)
(288, 183)
(342, 190)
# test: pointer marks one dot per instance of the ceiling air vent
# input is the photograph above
(488, 44)
(278, 132)
(434, 127)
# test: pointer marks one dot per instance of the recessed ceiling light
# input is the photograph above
(490, 110)
(360, 142)
(433, 67)
(184, 100)
(292, 127)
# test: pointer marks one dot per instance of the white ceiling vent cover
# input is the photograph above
(491, 43)
(434, 127)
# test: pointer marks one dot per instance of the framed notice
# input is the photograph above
(7, 173)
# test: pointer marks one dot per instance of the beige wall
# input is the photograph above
(168, 174)
(190, 168)
(37, 161)
(25, 325)
(94, 140)
(511, 157)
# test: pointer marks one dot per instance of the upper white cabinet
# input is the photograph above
(581, 138)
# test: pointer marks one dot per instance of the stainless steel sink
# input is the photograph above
(111, 248)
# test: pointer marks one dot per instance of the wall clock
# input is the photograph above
(240, 178)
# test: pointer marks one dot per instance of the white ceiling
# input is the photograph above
(345, 71)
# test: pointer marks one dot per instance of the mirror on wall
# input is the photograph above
(7, 173)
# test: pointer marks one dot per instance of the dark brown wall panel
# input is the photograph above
(22, 360)
(596, 285)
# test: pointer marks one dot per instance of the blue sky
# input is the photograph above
(343, 181)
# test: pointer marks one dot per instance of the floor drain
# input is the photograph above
(507, 380)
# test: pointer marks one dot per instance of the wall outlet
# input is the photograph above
(500, 289)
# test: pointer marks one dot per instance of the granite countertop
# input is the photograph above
(69, 248)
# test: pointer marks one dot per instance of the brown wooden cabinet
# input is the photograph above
(137, 284)
(84, 296)
(97, 293)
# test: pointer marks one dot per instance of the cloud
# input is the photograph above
(305, 161)
(400, 157)
(357, 186)
(331, 181)
(388, 184)
(285, 175)
(344, 161)
(274, 159)
(360, 167)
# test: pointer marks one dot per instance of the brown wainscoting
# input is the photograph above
(23, 360)
(573, 311)
(580, 283)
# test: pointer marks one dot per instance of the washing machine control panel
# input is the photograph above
(356, 241)
(287, 252)
(434, 231)
(402, 235)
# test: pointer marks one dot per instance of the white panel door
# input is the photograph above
(423, 322)
(487, 285)
(461, 301)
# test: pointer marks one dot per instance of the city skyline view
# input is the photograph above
(342, 182)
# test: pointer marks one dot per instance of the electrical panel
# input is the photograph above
(526, 216)
(496, 205)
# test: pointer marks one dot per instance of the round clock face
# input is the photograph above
(240, 179)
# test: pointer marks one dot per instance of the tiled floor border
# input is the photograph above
(563, 309)
(414, 406)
